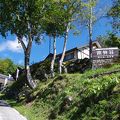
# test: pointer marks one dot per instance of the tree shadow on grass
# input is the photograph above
(89, 102)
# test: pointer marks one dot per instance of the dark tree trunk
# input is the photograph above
(27, 51)
(90, 28)
(90, 33)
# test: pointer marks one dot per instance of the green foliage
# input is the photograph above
(86, 15)
(96, 98)
(21, 18)
(58, 14)
(110, 40)
(54, 19)
(39, 70)
(7, 66)
(78, 65)
(12, 91)
(115, 14)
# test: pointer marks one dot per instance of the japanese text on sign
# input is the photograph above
(105, 53)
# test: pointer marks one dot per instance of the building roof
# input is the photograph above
(87, 45)
(76, 48)
(3, 77)
(81, 47)
(68, 51)
(49, 56)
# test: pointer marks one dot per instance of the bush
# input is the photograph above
(7, 66)
(78, 65)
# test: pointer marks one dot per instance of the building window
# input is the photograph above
(69, 56)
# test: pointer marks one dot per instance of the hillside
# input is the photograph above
(94, 95)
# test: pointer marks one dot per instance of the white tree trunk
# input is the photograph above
(64, 49)
(54, 57)
(30, 81)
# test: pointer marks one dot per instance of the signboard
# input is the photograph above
(103, 56)
(105, 53)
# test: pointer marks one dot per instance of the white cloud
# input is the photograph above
(11, 45)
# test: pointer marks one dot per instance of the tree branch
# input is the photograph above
(22, 43)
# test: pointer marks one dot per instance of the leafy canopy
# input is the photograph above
(115, 14)
(110, 40)
(58, 14)
(21, 17)
(7, 66)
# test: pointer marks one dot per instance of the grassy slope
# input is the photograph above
(92, 99)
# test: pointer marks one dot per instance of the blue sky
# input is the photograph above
(9, 47)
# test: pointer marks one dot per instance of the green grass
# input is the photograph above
(92, 99)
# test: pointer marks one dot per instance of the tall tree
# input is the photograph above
(50, 30)
(53, 25)
(114, 12)
(23, 18)
(88, 18)
(72, 9)
(90, 28)
(92, 12)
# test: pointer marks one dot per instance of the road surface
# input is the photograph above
(8, 113)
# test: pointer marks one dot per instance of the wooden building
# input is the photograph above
(78, 52)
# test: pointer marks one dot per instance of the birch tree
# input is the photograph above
(53, 25)
(92, 12)
(60, 15)
(87, 19)
(51, 31)
(72, 9)
(23, 18)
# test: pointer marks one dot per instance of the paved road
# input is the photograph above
(8, 113)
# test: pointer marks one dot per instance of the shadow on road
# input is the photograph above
(3, 103)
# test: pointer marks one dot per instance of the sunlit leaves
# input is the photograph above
(7, 66)
(115, 14)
